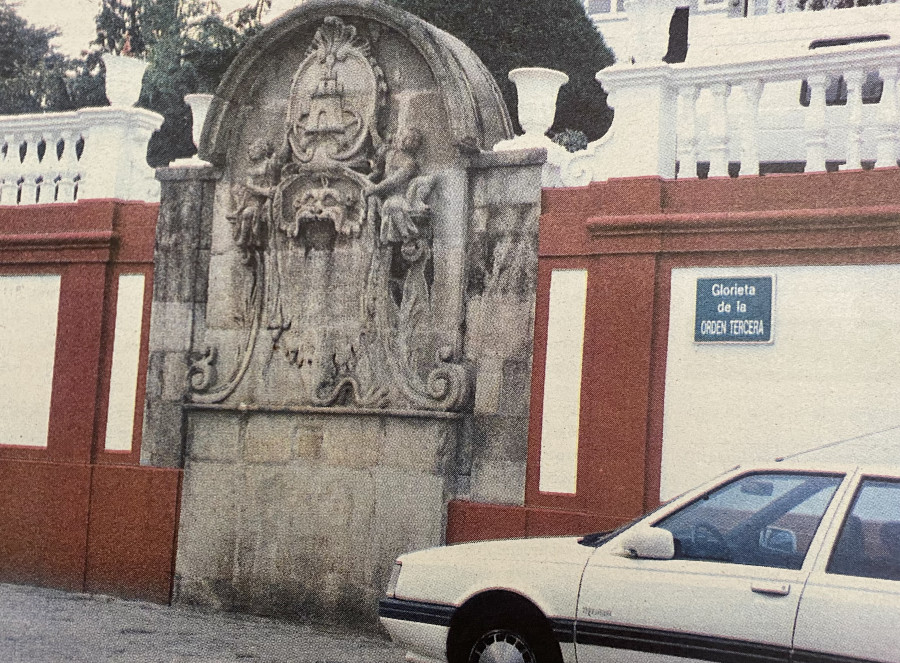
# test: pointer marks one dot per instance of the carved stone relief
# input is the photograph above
(503, 253)
(335, 227)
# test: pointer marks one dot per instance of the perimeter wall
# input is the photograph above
(648, 412)
(76, 511)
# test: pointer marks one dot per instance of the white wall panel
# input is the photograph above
(29, 307)
(832, 372)
(126, 358)
(562, 381)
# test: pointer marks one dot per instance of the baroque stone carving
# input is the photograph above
(513, 263)
(202, 372)
(252, 202)
(503, 255)
(336, 230)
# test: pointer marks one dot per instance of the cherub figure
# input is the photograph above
(249, 222)
(401, 193)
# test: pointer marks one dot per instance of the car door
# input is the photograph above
(732, 589)
(851, 605)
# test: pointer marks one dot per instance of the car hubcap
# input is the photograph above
(501, 647)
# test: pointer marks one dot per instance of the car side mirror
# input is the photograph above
(647, 543)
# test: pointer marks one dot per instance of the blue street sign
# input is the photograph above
(734, 310)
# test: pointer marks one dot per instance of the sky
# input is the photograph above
(75, 18)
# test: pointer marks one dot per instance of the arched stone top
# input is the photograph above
(261, 75)
(348, 141)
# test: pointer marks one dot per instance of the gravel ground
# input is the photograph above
(44, 626)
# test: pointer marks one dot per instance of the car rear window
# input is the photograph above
(868, 545)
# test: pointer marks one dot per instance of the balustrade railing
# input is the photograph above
(65, 157)
(816, 110)
(609, 10)
(826, 117)
(817, 5)
(40, 161)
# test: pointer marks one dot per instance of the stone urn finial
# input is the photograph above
(124, 78)
(199, 104)
(537, 89)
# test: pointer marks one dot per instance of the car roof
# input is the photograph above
(875, 469)
(871, 453)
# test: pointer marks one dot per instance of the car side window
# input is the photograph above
(869, 542)
(764, 519)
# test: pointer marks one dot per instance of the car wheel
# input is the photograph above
(501, 646)
(512, 645)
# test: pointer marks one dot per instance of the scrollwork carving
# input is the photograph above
(202, 372)
(334, 216)
(206, 391)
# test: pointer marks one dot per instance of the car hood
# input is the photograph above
(538, 550)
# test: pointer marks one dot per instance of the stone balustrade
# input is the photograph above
(604, 11)
(837, 108)
(835, 105)
(77, 155)
(783, 89)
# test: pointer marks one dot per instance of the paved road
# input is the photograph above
(46, 626)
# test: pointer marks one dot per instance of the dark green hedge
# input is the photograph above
(507, 34)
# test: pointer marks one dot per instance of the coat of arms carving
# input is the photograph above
(334, 222)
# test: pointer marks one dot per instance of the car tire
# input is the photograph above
(507, 642)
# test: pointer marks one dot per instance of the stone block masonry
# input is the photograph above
(306, 512)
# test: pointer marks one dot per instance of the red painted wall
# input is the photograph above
(629, 234)
(107, 529)
(73, 515)
(43, 523)
(132, 530)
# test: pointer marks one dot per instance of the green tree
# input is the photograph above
(557, 34)
(188, 45)
(34, 77)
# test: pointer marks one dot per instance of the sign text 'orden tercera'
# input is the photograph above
(734, 310)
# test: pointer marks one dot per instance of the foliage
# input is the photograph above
(189, 45)
(34, 77)
(571, 139)
(507, 34)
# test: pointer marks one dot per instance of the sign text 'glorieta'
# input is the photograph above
(734, 310)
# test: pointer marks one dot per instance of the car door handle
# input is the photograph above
(771, 588)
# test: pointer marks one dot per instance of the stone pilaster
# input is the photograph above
(179, 301)
(500, 300)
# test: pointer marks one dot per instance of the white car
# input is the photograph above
(775, 563)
